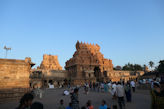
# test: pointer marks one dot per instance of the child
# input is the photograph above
(61, 104)
(89, 106)
(103, 105)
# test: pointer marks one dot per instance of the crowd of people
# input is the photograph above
(117, 90)
(74, 104)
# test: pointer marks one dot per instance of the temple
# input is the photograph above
(49, 71)
(88, 63)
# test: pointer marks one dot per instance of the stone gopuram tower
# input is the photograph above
(88, 64)
(50, 62)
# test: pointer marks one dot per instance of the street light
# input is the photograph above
(7, 49)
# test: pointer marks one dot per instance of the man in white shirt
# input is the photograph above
(120, 94)
(133, 85)
(114, 87)
(109, 85)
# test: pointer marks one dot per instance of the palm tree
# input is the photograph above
(151, 64)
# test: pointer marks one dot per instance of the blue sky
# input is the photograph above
(126, 30)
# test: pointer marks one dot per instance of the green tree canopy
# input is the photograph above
(151, 64)
(132, 67)
(161, 66)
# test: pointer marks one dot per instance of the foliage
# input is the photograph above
(151, 64)
(160, 68)
(132, 67)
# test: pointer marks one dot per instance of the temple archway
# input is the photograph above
(105, 73)
(97, 73)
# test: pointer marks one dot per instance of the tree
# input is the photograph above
(161, 66)
(151, 64)
(128, 67)
(137, 67)
(132, 67)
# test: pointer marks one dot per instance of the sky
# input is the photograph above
(126, 30)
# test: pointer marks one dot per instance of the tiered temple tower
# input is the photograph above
(50, 62)
(88, 64)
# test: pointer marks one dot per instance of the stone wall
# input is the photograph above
(55, 74)
(43, 77)
(117, 75)
(14, 78)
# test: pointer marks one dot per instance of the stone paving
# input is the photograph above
(140, 99)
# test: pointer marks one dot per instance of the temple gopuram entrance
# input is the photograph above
(97, 73)
(88, 63)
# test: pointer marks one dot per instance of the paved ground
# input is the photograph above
(140, 99)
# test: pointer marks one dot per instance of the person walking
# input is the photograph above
(120, 95)
(74, 99)
(61, 104)
(114, 96)
(86, 88)
(133, 85)
(105, 87)
(128, 92)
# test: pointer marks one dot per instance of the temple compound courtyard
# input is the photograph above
(86, 65)
(140, 99)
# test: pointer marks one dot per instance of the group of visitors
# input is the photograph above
(105, 86)
(96, 86)
(117, 91)
(88, 105)
(74, 104)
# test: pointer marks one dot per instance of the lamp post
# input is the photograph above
(7, 49)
